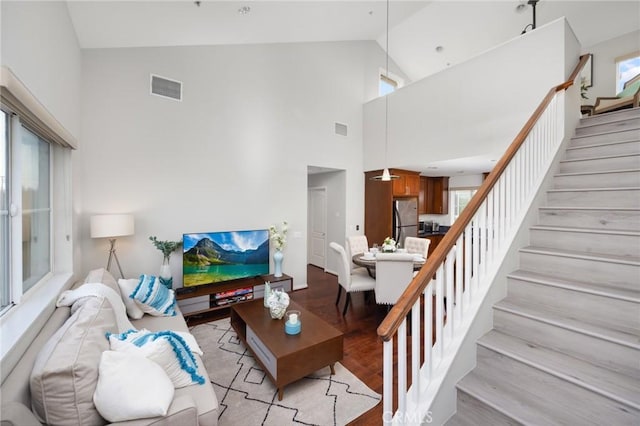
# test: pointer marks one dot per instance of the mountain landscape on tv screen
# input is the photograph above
(206, 252)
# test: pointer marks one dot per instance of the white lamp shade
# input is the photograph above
(111, 225)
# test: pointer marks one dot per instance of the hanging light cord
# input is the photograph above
(386, 97)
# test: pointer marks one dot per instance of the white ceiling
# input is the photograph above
(417, 27)
(462, 29)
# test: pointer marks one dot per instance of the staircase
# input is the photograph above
(565, 348)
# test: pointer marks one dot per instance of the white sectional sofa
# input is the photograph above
(191, 405)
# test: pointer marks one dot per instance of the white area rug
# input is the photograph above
(247, 396)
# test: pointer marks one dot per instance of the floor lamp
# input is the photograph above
(112, 226)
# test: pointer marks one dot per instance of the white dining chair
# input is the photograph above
(394, 272)
(417, 245)
(351, 281)
(356, 244)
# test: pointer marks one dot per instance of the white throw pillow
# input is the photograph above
(153, 297)
(166, 348)
(131, 387)
(127, 287)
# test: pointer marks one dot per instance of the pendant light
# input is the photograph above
(386, 176)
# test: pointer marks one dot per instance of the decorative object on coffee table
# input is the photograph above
(278, 302)
(166, 247)
(279, 239)
(293, 323)
(267, 293)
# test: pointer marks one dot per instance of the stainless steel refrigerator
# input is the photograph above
(405, 219)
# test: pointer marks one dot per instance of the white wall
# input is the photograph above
(492, 94)
(604, 66)
(337, 229)
(40, 46)
(232, 155)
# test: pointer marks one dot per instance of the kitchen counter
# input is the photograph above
(443, 230)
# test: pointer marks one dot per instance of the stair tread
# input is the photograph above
(594, 208)
(531, 396)
(599, 157)
(551, 316)
(629, 260)
(601, 289)
(587, 230)
(598, 172)
(618, 188)
(597, 144)
(615, 385)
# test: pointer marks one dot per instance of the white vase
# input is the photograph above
(165, 276)
(277, 263)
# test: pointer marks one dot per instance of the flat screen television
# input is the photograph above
(214, 257)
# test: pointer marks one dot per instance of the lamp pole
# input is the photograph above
(533, 4)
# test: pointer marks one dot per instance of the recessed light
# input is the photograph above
(244, 10)
(432, 167)
(521, 7)
(439, 49)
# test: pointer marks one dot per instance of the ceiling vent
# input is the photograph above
(341, 129)
(166, 88)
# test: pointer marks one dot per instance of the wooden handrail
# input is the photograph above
(387, 329)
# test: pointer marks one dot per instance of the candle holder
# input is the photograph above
(293, 323)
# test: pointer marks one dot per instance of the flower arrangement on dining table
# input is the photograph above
(389, 245)
(279, 238)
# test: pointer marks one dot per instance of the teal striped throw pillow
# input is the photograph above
(153, 297)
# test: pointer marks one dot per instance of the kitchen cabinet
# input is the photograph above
(422, 195)
(407, 184)
(435, 240)
(433, 197)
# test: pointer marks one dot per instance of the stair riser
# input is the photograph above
(627, 162)
(614, 274)
(619, 245)
(597, 219)
(611, 355)
(614, 126)
(629, 179)
(627, 114)
(624, 135)
(616, 314)
(475, 412)
(613, 199)
(603, 150)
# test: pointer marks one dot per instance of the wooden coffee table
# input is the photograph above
(286, 358)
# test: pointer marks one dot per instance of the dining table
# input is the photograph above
(370, 263)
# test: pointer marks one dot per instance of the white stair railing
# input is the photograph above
(445, 296)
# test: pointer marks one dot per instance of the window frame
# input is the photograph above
(389, 78)
(452, 199)
(619, 61)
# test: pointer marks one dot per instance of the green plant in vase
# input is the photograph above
(166, 247)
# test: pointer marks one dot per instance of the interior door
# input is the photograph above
(317, 208)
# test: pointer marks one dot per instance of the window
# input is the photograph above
(460, 197)
(388, 82)
(25, 187)
(5, 291)
(627, 67)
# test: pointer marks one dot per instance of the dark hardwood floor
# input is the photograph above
(362, 347)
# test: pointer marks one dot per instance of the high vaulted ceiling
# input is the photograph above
(460, 29)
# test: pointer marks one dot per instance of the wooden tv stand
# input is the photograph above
(199, 304)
